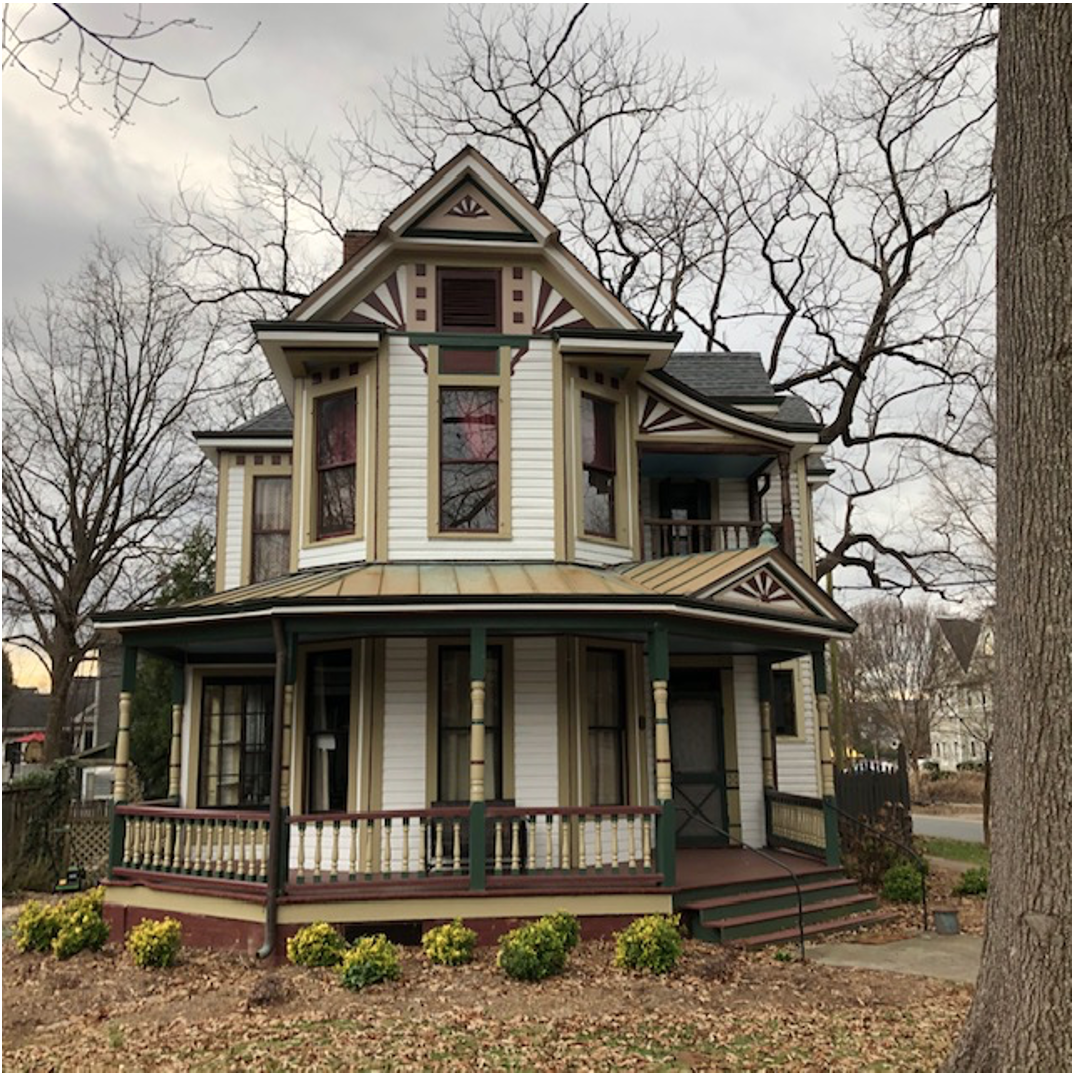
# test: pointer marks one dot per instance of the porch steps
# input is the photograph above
(766, 912)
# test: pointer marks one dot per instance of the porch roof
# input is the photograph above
(759, 586)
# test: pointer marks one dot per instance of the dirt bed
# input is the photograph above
(720, 1010)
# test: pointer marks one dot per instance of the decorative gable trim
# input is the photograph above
(658, 416)
(383, 305)
(762, 587)
(468, 208)
(552, 311)
(469, 211)
(766, 586)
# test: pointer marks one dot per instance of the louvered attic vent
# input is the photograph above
(469, 300)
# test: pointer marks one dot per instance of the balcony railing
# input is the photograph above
(679, 537)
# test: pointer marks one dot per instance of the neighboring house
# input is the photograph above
(26, 718)
(960, 692)
(515, 606)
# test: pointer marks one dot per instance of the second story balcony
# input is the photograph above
(676, 537)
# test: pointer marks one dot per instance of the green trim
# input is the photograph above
(178, 684)
(647, 335)
(820, 673)
(764, 678)
(468, 179)
(665, 842)
(477, 846)
(129, 675)
(453, 233)
(291, 673)
(467, 340)
(659, 661)
(478, 652)
(831, 833)
(117, 834)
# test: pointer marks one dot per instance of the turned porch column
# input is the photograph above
(478, 650)
(659, 670)
(175, 759)
(288, 718)
(827, 766)
(768, 742)
(120, 789)
(786, 532)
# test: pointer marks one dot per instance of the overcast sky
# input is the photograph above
(65, 176)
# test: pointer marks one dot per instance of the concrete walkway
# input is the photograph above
(939, 956)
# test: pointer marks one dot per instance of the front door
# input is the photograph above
(698, 771)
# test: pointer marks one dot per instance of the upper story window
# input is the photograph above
(335, 430)
(598, 466)
(469, 459)
(270, 546)
(468, 300)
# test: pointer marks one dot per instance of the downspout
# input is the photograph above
(272, 882)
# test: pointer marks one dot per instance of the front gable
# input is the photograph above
(470, 211)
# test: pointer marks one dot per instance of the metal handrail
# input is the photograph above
(922, 866)
(771, 859)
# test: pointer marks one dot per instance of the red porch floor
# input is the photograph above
(696, 868)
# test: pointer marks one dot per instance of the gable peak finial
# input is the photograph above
(767, 538)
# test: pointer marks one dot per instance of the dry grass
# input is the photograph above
(962, 787)
(720, 1010)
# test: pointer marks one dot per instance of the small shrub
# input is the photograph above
(651, 943)
(36, 926)
(784, 956)
(319, 945)
(973, 883)
(532, 952)
(567, 927)
(369, 960)
(450, 943)
(154, 943)
(91, 900)
(902, 882)
(82, 927)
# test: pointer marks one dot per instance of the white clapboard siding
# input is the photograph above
(748, 742)
(599, 553)
(404, 724)
(773, 508)
(335, 553)
(796, 758)
(734, 500)
(528, 445)
(234, 526)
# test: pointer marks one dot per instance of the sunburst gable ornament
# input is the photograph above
(468, 208)
(763, 587)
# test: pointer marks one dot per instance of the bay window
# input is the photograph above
(598, 466)
(335, 433)
(469, 459)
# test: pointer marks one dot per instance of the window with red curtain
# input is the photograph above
(598, 466)
(336, 433)
(469, 459)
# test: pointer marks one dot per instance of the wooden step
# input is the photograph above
(757, 895)
(742, 926)
(826, 926)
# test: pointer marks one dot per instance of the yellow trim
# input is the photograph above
(804, 528)
(159, 900)
(379, 530)
(376, 747)
(507, 712)
(299, 470)
(794, 667)
(251, 471)
(564, 669)
(559, 457)
(501, 381)
(223, 466)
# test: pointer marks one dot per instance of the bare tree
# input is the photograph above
(82, 55)
(1020, 1020)
(886, 669)
(101, 385)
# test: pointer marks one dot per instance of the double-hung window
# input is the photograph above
(606, 717)
(598, 466)
(335, 433)
(469, 459)
(236, 739)
(270, 546)
(453, 724)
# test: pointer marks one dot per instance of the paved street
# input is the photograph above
(959, 829)
(936, 955)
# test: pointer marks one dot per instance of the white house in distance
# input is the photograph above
(960, 692)
(515, 611)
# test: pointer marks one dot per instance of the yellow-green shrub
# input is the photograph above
(82, 927)
(567, 927)
(36, 926)
(370, 960)
(154, 943)
(450, 943)
(650, 943)
(532, 952)
(319, 945)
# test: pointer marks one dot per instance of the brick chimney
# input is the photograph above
(353, 241)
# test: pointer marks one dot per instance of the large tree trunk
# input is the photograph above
(1020, 1018)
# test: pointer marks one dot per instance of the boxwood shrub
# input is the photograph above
(154, 943)
(450, 943)
(370, 960)
(651, 943)
(532, 952)
(902, 882)
(318, 945)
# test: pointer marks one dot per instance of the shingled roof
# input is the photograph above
(961, 636)
(721, 375)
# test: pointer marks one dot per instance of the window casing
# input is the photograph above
(606, 719)
(598, 466)
(328, 730)
(336, 442)
(270, 544)
(468, 300)
(469, 459)
(784, 710)
(236, 736)
(453, 724)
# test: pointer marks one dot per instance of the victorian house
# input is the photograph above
(515, 611)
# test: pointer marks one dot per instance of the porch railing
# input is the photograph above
(677, 537)
(221, 844)
(379, 845)
(532, 840)
(795, 822)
